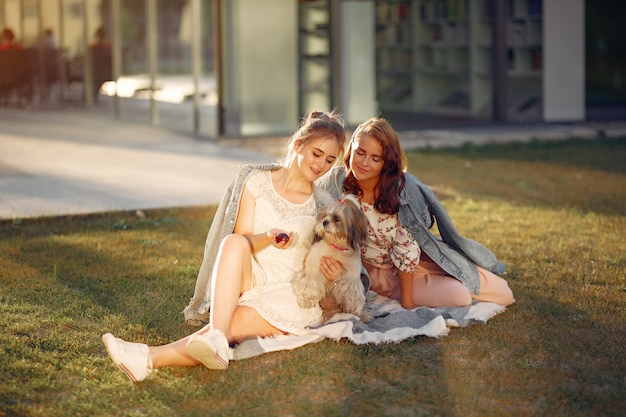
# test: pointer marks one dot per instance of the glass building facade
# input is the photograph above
(147, 60)
(248, 67)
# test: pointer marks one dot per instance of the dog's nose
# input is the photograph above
(325, 223)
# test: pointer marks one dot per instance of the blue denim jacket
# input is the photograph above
(419, 208)
(222, 225)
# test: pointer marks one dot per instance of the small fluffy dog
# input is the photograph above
(340, 230)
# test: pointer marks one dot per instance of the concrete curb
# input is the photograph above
(442, 138)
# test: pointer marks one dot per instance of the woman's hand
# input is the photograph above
(406, 290)
(280, 238)
(331, 268)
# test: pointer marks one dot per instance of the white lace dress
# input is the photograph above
(271, 295)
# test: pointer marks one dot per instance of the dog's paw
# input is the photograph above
(358, 310)
(366, 317)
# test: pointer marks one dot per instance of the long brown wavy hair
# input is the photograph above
(391, 176)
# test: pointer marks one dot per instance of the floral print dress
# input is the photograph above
(390, 247)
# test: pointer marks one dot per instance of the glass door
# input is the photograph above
(315, 56)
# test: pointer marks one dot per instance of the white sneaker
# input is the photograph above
(211, 349)
(132, 358)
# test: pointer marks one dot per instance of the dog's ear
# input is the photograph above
(317, 237)
(322, 212)
(357, 225)
(357, 222)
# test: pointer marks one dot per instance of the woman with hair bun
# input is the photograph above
(256, 244)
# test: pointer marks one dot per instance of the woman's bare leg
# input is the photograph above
(175, 353)
(232, 275)
(246, 323)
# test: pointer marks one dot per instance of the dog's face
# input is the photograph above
(342, 223)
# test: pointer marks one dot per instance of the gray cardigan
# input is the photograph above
(419, 207)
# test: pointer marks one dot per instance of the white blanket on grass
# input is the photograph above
(391, 324)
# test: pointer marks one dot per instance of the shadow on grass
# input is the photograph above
(541, 357)
(327, 379)
(566, 358)
(111, 264)
(585, 175)
(607, 154)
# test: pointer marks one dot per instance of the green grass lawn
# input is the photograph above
(555, 213)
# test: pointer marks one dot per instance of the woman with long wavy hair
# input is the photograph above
(404, 259)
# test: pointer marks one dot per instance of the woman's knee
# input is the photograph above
(494, 288)
(505, 295)
(235, 241)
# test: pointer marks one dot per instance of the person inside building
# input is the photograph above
(102, 40)
(8, 41)
(47, 39)
(101, 61)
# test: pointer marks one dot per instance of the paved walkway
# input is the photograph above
(60, 162)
